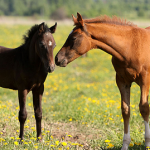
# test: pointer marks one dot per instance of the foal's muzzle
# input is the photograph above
(51, 68)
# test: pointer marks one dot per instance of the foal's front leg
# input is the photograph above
(37, 100)
(125, 106)
(22, 113)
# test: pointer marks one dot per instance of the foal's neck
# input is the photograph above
(33, 58)
(113, 39)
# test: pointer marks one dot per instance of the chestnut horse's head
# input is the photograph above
(45, 44)
(77, 43)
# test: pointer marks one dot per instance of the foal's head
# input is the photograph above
(77, 43)
(44, 45)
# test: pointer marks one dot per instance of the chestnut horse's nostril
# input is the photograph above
(56, 61)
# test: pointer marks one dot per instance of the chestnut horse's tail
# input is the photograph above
(148, 28)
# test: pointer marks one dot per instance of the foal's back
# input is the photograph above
(9, 63)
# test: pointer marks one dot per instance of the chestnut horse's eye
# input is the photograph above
(73, 38)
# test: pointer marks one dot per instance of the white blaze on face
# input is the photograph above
(50, 43)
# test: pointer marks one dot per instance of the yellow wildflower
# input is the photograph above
(64, 143)
(131, 145)
(16, 143)
(107, 141)
(57, 143)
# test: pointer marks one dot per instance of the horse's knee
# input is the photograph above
(22, 116)
(125, 110)
(144, 110)
(38, 115)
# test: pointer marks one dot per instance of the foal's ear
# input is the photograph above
(53, 28)
(41, 28)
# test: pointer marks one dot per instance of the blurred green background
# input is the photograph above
(61, 9)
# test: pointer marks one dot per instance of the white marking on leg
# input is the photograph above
(126, 140)
(147, 134)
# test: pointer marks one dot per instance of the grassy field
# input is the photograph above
(81, 104)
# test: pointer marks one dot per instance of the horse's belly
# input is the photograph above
(7, 83)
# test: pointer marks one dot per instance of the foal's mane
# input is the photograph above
(28, 36)
(109, 20)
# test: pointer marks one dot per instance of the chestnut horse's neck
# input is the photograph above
(113, 39)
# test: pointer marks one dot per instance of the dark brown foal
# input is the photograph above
(25, 69)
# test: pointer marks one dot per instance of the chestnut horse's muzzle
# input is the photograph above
(62, 62)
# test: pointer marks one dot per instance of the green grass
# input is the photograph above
(81, 104)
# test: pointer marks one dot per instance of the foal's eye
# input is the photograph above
(41, 45)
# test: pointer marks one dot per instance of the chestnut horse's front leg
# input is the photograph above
(37, 100)
(124, 88)
(22, 113)
(144, 106)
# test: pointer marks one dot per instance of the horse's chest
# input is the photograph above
(32, 79)
(38, 79)
(126, 72)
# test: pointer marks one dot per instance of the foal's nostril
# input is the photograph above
(51, 68)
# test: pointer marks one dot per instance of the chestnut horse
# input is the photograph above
(129, 46)
(25, 69)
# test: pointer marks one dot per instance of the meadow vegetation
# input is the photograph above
(81, 104)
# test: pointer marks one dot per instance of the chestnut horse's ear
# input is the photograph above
(41, 28)
(80, 20)
(53, 28)
(75, 20)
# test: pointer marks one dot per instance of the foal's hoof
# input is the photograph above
(39, 139)
(20, 141)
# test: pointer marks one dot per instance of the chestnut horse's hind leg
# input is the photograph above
(37, 100)
(125, 106)
(144, 109)
(22, 113)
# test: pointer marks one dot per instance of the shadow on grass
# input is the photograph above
(135, 147)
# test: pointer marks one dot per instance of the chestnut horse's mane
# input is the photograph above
(109, 20)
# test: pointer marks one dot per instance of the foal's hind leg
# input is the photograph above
(125, 106)
(144, 108)
(37, 100)
(22, 113)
